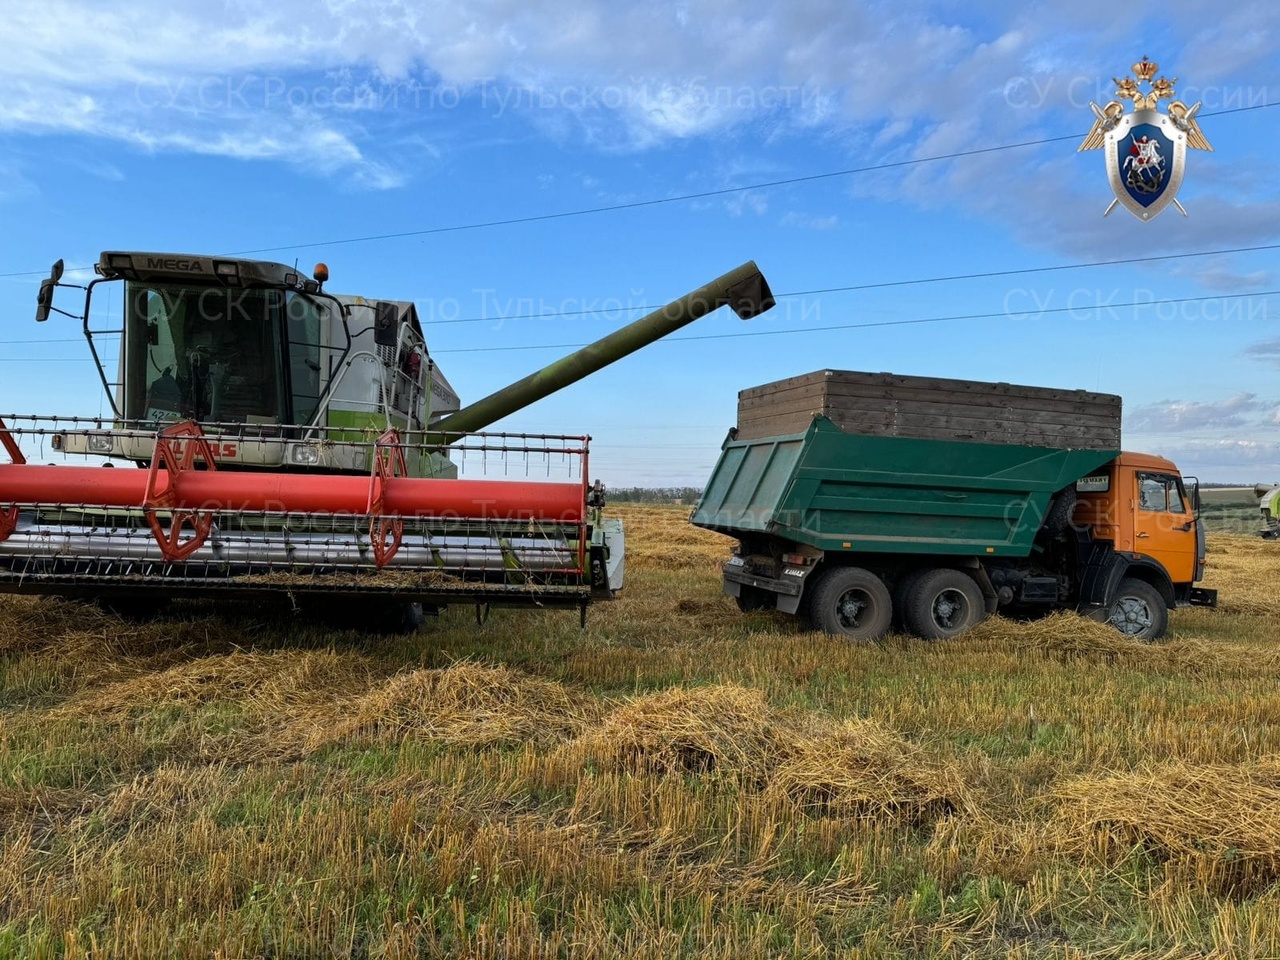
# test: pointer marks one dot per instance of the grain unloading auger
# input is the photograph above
(298, 443)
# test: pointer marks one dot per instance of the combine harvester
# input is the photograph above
(301, 444)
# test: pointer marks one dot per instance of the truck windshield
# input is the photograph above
(216, 354)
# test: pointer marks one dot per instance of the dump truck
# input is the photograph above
(865, 501)
(289, 442)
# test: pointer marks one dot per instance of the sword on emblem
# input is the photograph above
(1145, 149)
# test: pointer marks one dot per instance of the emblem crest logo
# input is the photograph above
(1146, 150)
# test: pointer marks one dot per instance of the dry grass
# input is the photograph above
(724, 730)
(1240, 565)
(468, 704)
(1222, 821)
(678, 779)
(860, 769)
(379, 578)
(669, 541)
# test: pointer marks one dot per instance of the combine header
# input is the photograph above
(295, 443)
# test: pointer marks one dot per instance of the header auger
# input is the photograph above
(299, 443)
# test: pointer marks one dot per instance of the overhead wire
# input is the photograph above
(1010, 314)
(994, 315)
(1022, 271)
(656, 201)
(989, 274)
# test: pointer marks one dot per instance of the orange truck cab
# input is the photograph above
(1145, 524)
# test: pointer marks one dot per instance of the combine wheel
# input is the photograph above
(367, 615)
(399, 617)
(942, 604)
(851, 602)
(133, 609)
(1137, 610)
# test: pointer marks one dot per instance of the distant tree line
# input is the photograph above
(687, 495)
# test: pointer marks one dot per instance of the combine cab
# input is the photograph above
(272, 439)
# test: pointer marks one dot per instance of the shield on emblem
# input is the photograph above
(1146, 156)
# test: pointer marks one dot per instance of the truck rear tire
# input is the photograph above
(851, 602)
(901, 590)
(942, 604)
(1137, 610)
(753, 598)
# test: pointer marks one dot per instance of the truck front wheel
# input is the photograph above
(851, 602)
(942, 604)
(1137, 610)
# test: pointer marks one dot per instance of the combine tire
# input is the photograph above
(942, 604)
(133, 609)
(397, 617)
(366, 615)
(1137, 610)
(852, 603)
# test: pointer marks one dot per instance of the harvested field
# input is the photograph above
(676, 779)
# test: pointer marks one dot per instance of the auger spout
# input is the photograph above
(744, 289)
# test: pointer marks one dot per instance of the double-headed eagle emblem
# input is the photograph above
(1146, 150)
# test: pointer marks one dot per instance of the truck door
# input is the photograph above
(1164, 526)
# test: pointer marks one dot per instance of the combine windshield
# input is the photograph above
(221, 355)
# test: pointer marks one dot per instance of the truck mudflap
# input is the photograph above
(1201, 597)
(787, 588)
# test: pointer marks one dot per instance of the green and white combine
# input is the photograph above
(256, 399)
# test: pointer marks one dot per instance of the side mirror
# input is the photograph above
(44, 299)
(385, 321)
(1193, 487)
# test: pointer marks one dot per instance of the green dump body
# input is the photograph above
(839, 491)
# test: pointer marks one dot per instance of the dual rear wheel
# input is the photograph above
(939, 604)
(942, 604)
(934, 604)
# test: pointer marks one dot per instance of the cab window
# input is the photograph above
(1158, 492)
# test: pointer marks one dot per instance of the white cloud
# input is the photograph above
(13, 185)
(1218, 274)
(1195, 455)
(807, 222)
(258, 82)
(748, 201)
(1267, 350)
(1181, 416)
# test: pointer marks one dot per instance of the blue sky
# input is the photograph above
(230, 127)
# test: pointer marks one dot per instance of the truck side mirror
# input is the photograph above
(384, 324)
(44, 299)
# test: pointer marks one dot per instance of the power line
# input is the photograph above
(1023, 271)
(53, 340)
(899, 283)
(1009, 314)
(615, 207)
(680, 198)
(893, 323)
